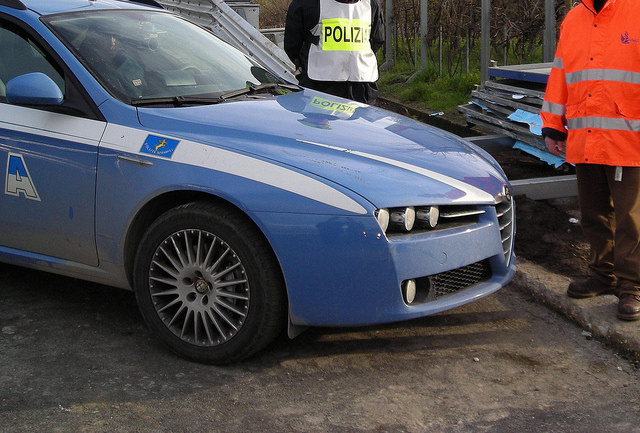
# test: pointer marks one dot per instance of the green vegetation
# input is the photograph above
(443, 84)
(427, 89)
(442, 87)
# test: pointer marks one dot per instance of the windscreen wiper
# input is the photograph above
(252, 89)
(181, 101)
(176, 101)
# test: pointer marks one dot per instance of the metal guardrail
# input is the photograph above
(541, 188)
(512, 90)
(227, 24)
(545, 188)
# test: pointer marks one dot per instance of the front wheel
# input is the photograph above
(208, 284)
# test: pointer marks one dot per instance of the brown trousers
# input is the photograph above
(610, 211)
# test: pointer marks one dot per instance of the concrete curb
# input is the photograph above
(595, 315)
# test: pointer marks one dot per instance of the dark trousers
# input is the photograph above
(610, 212)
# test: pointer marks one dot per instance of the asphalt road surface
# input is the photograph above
(76, 356)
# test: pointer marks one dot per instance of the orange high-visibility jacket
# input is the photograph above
(594, 85)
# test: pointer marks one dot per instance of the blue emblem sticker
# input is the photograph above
(159, 146)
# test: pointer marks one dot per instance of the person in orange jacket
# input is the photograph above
(591, 113)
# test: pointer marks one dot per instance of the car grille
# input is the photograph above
(457, 216)
(450, 282)
(504, 211)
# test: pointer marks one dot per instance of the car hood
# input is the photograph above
(388, 159)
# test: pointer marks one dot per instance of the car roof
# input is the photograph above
(46, 7)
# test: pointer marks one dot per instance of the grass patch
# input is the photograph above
(427, 89)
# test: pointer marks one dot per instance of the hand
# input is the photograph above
(554, 146)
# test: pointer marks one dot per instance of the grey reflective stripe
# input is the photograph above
(192, 153)
(472, 194)
(557, 109)
(604, 123)
(557, 63)
(603, 75)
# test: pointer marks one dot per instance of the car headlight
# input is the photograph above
(428, 216)
(382, 216)
(406, 219)
(403, 219)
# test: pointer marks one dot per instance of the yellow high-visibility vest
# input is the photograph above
(343, 52)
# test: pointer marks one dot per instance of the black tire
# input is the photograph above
(208, 284)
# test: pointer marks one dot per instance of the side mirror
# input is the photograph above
(34, 88)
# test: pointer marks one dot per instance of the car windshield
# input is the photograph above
(154, 55)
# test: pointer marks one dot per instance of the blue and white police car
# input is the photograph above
(139, 151)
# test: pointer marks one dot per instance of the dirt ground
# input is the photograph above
(76, 357)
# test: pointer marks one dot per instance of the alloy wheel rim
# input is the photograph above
(199, 287)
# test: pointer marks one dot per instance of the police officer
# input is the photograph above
(333, 45)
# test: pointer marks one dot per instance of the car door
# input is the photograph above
(48, 159)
